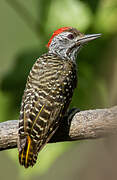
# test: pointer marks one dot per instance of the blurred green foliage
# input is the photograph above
(25, 28)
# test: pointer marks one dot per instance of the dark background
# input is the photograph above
(25, 28)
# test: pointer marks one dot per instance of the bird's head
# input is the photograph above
(67, 41)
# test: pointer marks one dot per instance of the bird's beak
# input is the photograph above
(87, 38)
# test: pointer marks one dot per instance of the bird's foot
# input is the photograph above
(71, 114)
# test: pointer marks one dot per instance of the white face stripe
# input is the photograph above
(61, 44)
(62, 38)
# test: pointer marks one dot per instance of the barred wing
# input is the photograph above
(46, 98)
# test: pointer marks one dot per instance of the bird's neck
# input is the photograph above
(64, 54)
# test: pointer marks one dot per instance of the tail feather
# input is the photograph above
(27, 156)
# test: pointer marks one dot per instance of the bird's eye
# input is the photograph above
(70, 36)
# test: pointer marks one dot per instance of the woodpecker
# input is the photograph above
(48, 92)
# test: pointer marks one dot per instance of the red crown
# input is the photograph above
(56, 33)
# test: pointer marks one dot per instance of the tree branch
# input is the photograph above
(88, 124)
